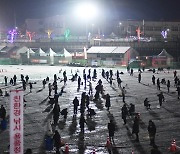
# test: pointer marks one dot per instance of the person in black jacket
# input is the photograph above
(76, 104)
(136, 128)
(108, 102)
(124, 112)
(152, 132)
(111, 129)
(57, 141)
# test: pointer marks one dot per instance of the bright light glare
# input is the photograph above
(86, 11)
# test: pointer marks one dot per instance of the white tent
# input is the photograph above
(41, 52)
(66, 53)
(51, 54)
(31, 51)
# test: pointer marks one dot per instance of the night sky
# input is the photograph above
(167, 10)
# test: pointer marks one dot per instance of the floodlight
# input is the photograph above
(86, 11)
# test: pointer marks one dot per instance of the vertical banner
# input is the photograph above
(16, 122)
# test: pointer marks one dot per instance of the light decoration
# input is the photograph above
(138, 31)
(12, 33)
(164, 33)
(30, 34)
(67, 34)
(49, 32)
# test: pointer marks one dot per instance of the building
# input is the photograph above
(46, 26)
(110, 56)
(163, 60)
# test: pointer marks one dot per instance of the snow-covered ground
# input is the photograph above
(36, 113)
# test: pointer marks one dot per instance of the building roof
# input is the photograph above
(108, 49)
(94, 50)
(121, 49)
(164, 54)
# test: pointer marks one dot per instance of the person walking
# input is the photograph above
(135, 129)
(44, 83)
(123, 94)
(161, 98)
(139, 77)
(111, 129)
(79, 82)
(175, 73)
(76, 104)
(152, 132)
(57, 141)
(119, 81)
(158, 84)
(131, 73)
(124, 112)
(153, 79)
(56, 111)
(90, 88)
(168, 85)
(2, 112)
(108, 102)
(14, 79)
(178, 90)
(81, 122)
(30, 87)
(5, 80)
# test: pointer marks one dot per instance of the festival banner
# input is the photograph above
(16, 122)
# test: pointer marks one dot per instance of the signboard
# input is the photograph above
(16, 122)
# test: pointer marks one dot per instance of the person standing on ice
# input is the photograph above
(56, 111)
(5, 80)
(111, 129)
(139, 77)
(152, 132)
(79, 82)
(158, 84)
(14, 78)
(153, 79)
(76, 104)
(135, 129)
(168, 85)
(123, 93)
(108, 102)
(57, 141)
(161, 98)
(124, 112)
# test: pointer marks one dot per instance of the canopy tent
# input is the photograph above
(51, 52)
(66, 53)
(41, 52)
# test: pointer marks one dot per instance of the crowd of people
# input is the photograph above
(95, 94)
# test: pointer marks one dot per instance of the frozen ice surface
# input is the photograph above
(37, 111)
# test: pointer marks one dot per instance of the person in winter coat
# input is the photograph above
(124, 113)
(57, 141)
(2, 112)
(153, 79)
(76, 104)
(161, 98)
(135, 129)
(111, 129)
(168, 85)
(56, 111)
(123, 94)
(139, 77)
(108, 103)
(81, 122)
(152, 132)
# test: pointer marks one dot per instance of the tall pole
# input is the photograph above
(86, 35)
